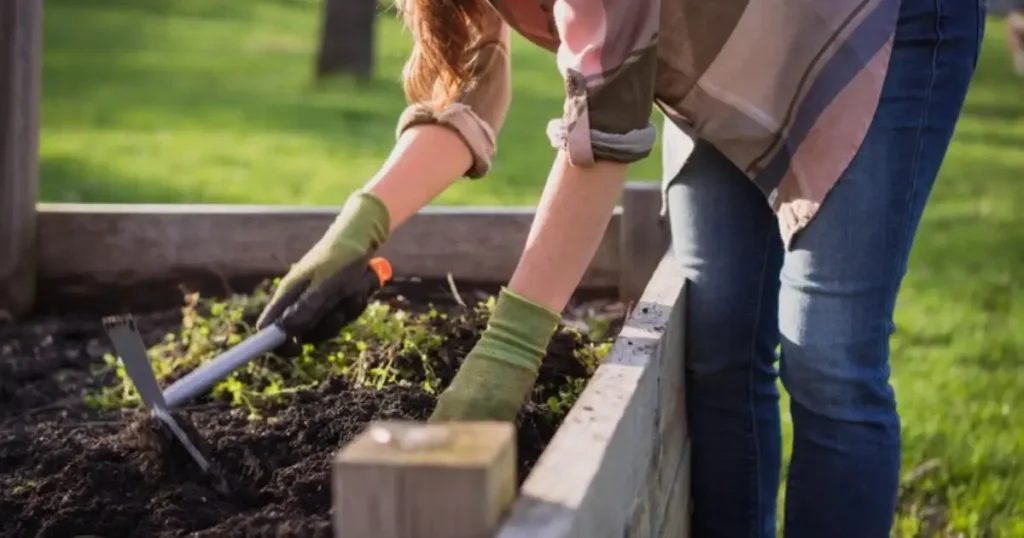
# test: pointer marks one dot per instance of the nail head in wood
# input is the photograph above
(402, 479)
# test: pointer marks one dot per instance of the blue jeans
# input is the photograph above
(827, 303)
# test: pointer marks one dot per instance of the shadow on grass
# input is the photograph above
(71, 180)
(105, 66)
(201, 9)
(125, 69)
(996, 111)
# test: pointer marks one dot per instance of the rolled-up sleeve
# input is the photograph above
(479, 112)
(608, 60)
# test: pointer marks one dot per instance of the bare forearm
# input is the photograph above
(426, 160)
(572, 217)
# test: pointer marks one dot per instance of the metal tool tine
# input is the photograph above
(129, 346)
(164, 416)
(218, 481)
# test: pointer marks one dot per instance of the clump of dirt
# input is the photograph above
(68, 468)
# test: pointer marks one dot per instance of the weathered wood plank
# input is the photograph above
(86, 249)
(20, 46)
(676, 521)
(96, 245)
(415, 480)
(618, 464)
(643, 236)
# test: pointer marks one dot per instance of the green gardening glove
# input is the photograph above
(497, 376)
(309, 297)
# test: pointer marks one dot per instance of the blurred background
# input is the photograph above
(195, 101)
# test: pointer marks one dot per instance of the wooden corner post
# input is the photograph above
(414, 480)
(20, 45)
(643, 238)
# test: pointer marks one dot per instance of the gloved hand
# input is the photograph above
(310, 299)
(497, 376)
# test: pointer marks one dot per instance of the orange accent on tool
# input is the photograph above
(383, 269)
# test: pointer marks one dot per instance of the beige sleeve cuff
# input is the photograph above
(461, 119)
(586, 146)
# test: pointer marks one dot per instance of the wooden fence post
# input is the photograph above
(20, 45)
(643, 237)
(415, 480)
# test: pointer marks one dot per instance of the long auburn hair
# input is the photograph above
(445, 32)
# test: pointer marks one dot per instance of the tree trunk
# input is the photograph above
(346, 39)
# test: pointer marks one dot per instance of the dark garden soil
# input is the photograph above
(70, 469)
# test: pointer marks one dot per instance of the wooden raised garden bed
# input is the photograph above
(328, 440)
(75, 457)
(617, 466)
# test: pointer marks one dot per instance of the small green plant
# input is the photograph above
(385, 346)
(25, 486)
(559, 405)
(598, 327)
(590, 355)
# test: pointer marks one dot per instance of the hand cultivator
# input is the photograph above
(130, 348)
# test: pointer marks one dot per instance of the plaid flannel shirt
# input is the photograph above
(785, 89)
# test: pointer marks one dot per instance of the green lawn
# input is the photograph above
(211, 101)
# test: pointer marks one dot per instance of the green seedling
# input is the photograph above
(385, 346)
(23, 487)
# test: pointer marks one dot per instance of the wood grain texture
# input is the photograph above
(415, 480)
(617, 466)
(644, 237)
(678, 504)
(96, 245)
(20, 50)
(85, 249)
